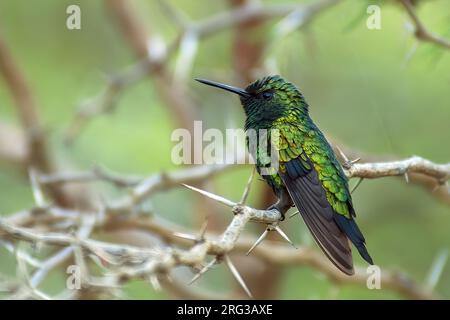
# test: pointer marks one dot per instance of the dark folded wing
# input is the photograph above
(309, 196)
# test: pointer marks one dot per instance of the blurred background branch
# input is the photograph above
(118, 227)
(421, 32)
(128, 262)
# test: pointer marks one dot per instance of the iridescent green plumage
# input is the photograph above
(308, 175)
(299, 137)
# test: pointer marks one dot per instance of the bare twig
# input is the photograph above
(421, 32)
(96, 174)
(27, 109)
(153, 59)
(231, 239)
(144, 187)
(415, 164)
(13, 146)
(47, 225)
(438, 189)
(152, 62)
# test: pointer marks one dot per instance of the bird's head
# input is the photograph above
(268, 98)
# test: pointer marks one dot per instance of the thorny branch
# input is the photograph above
(145, 187)
(133, 262)
(36, 149)
(421, 32)
(155, 54)
(73, 232)
(415, 164)
(432, 184)
(181, 247)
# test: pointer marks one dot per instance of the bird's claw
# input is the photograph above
(275, 207)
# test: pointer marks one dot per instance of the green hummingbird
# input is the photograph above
(308, 176)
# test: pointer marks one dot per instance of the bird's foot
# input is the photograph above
(276, 206)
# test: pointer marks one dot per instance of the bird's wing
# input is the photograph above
(335, 183)
(310, 197)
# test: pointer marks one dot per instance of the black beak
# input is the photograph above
(226, 87)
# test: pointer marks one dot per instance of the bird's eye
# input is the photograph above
(267, 95)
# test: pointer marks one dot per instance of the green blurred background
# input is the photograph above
(360, 88)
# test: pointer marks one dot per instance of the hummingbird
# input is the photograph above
(309, 175)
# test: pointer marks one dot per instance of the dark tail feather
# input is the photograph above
(364, 253)
(352, 231)
(310, 199)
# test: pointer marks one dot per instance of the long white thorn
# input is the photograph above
(406, 176)
(284, 235)
(204, 269)
(212, 196)
(237, 276)
(38, 195)
(186, 54)
(436, 269)
(344, 157)
(294, 214)
(357, 185)
(202, 232)
(247, 188)
(155, 282)
(257, 242)
(185, 236)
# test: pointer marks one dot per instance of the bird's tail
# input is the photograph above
(352, 231)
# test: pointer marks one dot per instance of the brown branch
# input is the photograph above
(156, 261)
(179, 104)
(106, 101)
(13, 146)
(421, 32)
(254, 12)
(96, 174)
(49, 225)
(415, 164)
(415, 167)
(130, 262)
(26, 108)
(281, 255)
(37, 151)
(435, 187)
(247, 53)
(153, 62)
